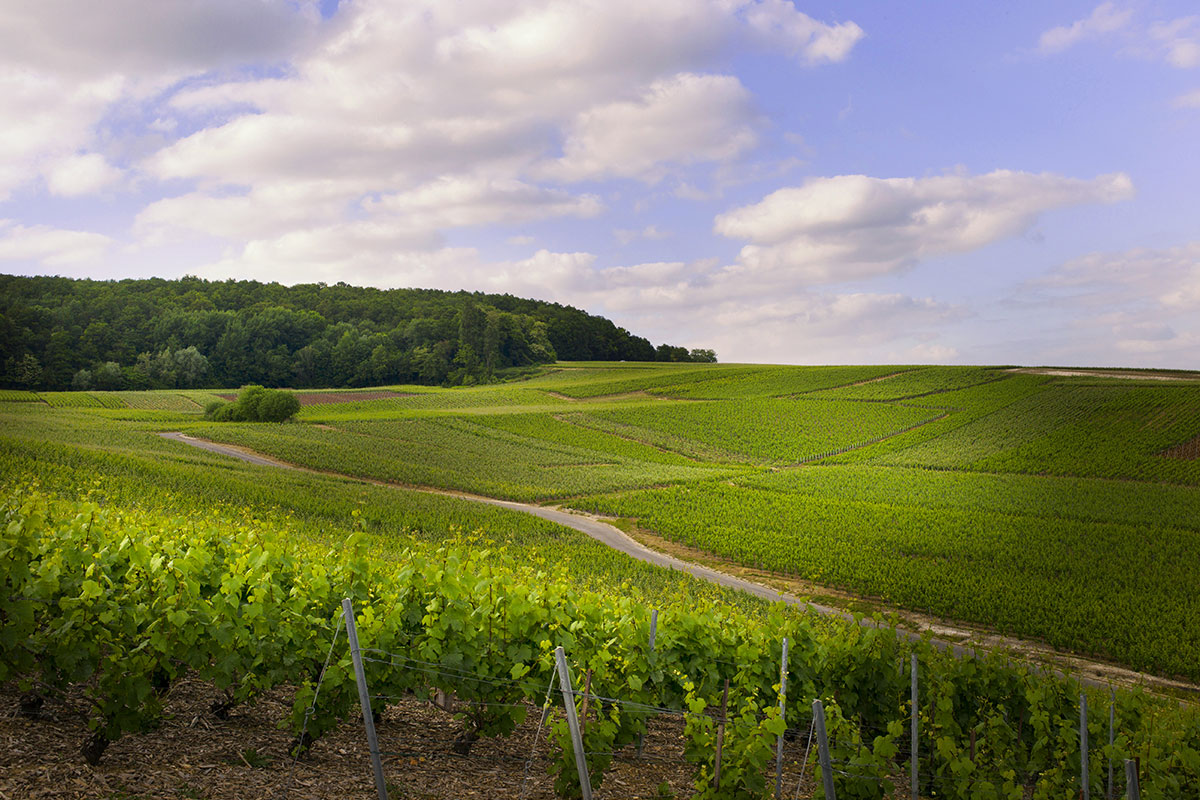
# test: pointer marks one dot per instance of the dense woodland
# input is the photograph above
(60, 333)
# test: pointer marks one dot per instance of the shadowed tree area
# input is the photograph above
(59, 333)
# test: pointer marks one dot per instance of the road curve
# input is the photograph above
(600, 531)
(1083, 670)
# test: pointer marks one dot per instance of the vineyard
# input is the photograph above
(1058, 509)
(121, 604)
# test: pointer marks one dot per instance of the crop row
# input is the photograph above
(453, 453)
(70, 400)
(1127, 592)
(1114, 431)
(558, 430)
(776, 382)
(158, 401)
(964, 406)
(759, 430)
(138, 467)
(647, 380)
(918, 383)
(119, 604)
(1088, 499)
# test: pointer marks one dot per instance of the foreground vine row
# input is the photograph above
(119, 603)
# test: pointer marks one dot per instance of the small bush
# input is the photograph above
(276, 406)
(255, 404)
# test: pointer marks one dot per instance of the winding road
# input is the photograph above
(1092, 673)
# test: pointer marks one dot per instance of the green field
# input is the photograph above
(1052, 508)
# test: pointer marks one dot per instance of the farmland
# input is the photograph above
(1055, 508)
(1044, 506)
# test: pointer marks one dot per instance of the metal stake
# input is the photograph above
(1132, 790)
(783, 670)
(915, 794)
(1084, 778)
(364, 698)
(1112, 713)
(564, 680)
(653, 632)
(823, 749)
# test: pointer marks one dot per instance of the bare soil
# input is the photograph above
(1188, 451)
(323, 398)
(192, 754)
(1133, 375)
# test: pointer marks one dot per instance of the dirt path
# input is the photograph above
(1105, 373)
(962, 640)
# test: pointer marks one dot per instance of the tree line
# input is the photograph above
(62, 333)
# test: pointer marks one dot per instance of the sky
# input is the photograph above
(949, 181)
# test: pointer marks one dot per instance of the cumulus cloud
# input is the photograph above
(1179, 41)
(1143, 302)
(682, 119)
(1105, 18)
(65, 65)
(46, 119)
(1175, 41)
(50, 246)
(416, 100)
(855, 226)
(649, 233)
(455, 202)
(136, 37)
(807, 327)
(778, 24)
(1188, 100)
(81, 174)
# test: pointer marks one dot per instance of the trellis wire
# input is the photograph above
(312, 708)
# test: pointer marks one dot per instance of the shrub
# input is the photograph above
(255, 404)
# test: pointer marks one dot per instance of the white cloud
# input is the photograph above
(854, 226)
(64, 65)
(412, 100)
(49, 246)
(455, 202)
(1179, 41)
(678, 120)
(46, 118)
(1105, 18)
(145, 37)
(1175, 41)
(1189, 100)
(779, 25)
(81, 174)
(269, 210)
(1143, 302)
(649, 233)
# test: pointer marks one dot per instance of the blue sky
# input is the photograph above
(790, 182)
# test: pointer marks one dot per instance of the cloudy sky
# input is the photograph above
(796, 182)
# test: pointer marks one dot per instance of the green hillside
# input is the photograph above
(1055, 508)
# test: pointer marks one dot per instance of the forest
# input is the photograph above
(61, 333)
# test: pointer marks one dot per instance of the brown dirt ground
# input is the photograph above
(321, 398)
(1188, 451)
(193, 754)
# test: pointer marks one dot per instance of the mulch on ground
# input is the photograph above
(194, 754)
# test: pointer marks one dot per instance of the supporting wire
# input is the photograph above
(804, 763)
(312, 708)
(537, 735)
